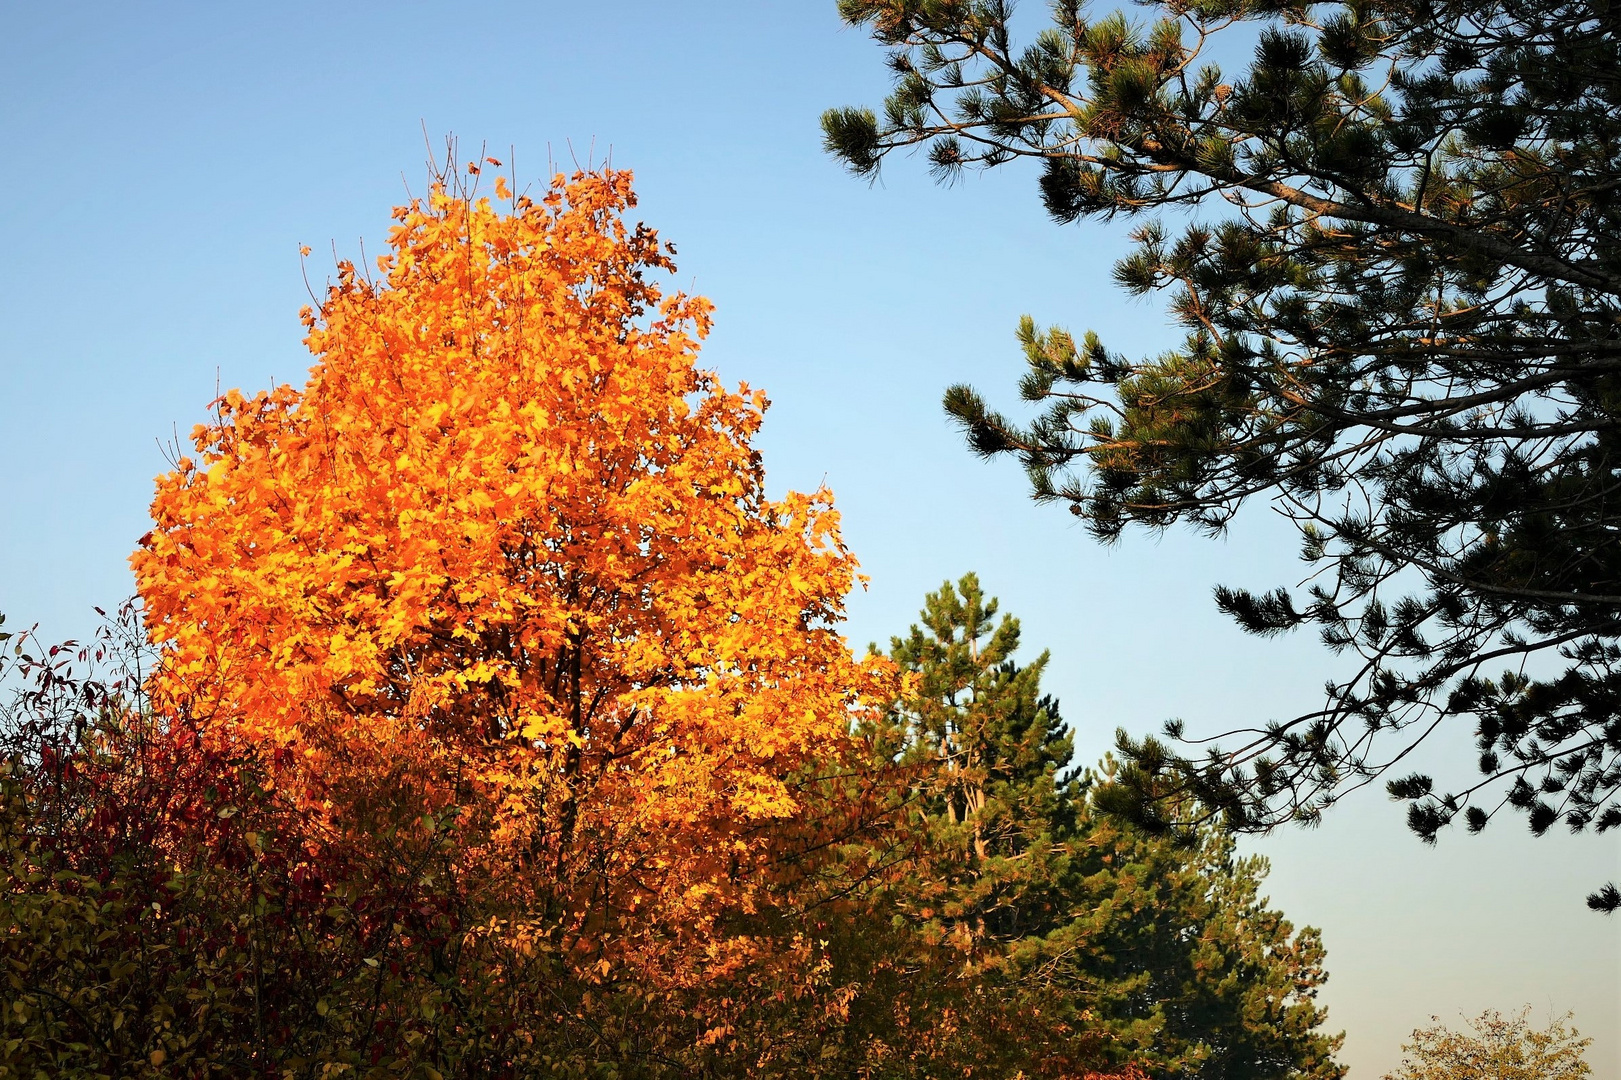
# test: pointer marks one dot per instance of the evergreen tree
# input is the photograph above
(1400, 277)
(992, 747)
(1168, 947)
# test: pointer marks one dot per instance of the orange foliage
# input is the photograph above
(554, 690)
(508, 538)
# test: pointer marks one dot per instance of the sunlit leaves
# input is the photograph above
(509, 547)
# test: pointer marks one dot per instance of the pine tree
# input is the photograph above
(1399, 277)
(992, 746)
(1168, 947)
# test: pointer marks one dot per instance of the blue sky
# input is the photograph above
(169, 159)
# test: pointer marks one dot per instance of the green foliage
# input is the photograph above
(166, 911)
(163, 913)
(1398, 271)
(1497, 1047)
(992, 743)
(1167, 947)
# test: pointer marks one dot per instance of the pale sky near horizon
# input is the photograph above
(169, 159)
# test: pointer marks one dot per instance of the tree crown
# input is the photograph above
(1397, 271)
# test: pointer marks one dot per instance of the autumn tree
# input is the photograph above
(1392, 246)
(509, 518)
(1167, 948)
(505, 566)
(496, 723)
(1503, 1048)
